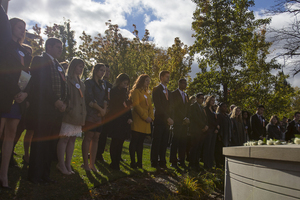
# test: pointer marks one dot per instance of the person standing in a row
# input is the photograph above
(224, 135)
(293, 127)
(142, 116)
(211, 135)
(120, 113)
(198, 129)
(105, 126)
(74, 117)
(238, 136)
(49, 102)
(180, 107)
(162, 102)
(96, 109)
(258, 124)
(13, 60)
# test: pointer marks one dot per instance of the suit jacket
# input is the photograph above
(225, 128)
(162, 105)
(43, 96)
(257, 127)
(180, 108)
(10, 70)
(292, 129)
(198, 119)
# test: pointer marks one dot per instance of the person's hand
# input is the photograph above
(216, 131)
(60, 105)
(170, 121)
(205, 128)
(129, 121)
(20, 97)
(148, 120)
(218, 127)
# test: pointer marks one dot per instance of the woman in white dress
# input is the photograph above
(74, 117)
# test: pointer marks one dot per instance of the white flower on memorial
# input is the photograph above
(297, 141)
(277, 142)
(270, 142)
(260, 142)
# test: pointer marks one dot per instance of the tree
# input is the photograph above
(66, 35)
(288, 36)
(36, 41)
(221, 28)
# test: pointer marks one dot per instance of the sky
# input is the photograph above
(165, 19)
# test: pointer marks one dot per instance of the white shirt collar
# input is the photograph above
(165, 87)
(50, 56)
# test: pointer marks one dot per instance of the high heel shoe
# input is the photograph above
(65, 173)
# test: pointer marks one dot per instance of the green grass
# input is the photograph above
(77, 186)
(86, 185)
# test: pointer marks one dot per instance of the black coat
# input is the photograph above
(238, 137)
(10, 70)
(292, 129)
(43, 97)
(258, 129)
(274, 132)
(225, 131)
(180, 108)
(119, 114)
(162, 105)
(198, 119)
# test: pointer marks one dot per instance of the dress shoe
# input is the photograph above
(5, 187)
(163, 166)
(139, 165)
(133, 165)
(174, 165)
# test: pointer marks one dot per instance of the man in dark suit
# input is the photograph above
(180, 107)
(162, 103)
(293, 127)
(103, 135)
(49, 92)
(258, 124)
(198, 127)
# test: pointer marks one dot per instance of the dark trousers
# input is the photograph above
(136, 145)
(197, 140)
(159, 145)
(209, 149)
(219, 158)
(116, 147)
(178, 144)
(102, 142)
(43, 148)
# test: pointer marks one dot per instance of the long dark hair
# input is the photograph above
(120, 78)
(95, 69)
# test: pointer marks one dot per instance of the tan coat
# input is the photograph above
(76, 111)
(141, 111)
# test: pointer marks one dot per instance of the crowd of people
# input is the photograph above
(53, 104)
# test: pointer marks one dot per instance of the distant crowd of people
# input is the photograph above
(51, 102)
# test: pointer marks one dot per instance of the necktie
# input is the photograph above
(166, 93)
(183, 97)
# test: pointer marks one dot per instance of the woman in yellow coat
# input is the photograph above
(142, 115)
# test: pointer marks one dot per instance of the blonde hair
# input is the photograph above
(233, 115)
(207, 101)
(73, 65)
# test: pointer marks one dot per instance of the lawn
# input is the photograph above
(146, 183)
